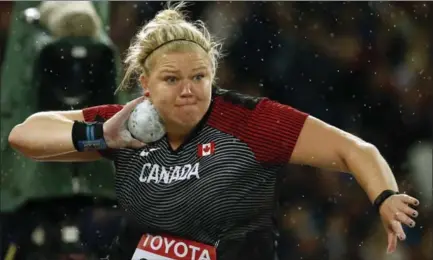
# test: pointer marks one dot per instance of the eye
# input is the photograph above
(170, 79)
(198, 77)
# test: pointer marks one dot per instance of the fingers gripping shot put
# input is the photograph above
(196, 165)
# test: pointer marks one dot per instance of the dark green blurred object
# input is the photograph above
(23, 93)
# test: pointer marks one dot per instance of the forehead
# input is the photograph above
(183, 61)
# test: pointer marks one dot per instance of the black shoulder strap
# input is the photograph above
(237, 98)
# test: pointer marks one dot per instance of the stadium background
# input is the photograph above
(365, 67)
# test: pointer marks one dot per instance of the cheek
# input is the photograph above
(205, 90)
(162, 104)
(159, 100)
(162, 94)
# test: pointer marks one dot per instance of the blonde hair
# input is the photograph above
(168, 31)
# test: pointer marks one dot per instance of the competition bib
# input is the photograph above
(169, 248)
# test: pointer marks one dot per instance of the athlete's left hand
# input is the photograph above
(394, 212)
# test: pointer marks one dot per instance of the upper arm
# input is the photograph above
(269, 128)
(72, 115)
(322, 145)
(288, 135)
(273, 130)
(280, 134)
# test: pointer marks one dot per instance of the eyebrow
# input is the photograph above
(200, 68)
(173, 70)
(169, 70)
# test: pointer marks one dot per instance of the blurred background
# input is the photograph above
(365, 67)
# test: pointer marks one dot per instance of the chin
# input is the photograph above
(188, 120)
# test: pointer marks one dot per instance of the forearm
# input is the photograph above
(370, 169)
(43, 135)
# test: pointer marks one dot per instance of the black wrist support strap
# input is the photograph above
(382, 197)
(88, 136)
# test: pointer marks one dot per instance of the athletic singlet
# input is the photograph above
(218, 188)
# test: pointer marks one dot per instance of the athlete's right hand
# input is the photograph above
(116, 134)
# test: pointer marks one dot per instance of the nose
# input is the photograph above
(186, 90)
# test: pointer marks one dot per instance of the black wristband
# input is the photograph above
(382, 197)
(88, 136)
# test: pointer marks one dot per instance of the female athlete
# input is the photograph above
(206, 189)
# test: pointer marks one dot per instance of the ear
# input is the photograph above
(144, 82)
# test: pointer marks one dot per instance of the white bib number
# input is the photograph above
(168, 248)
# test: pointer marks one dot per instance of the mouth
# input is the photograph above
(186, 105)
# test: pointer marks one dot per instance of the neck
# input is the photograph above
(175, 141)
(176, 138)
(177, 134)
